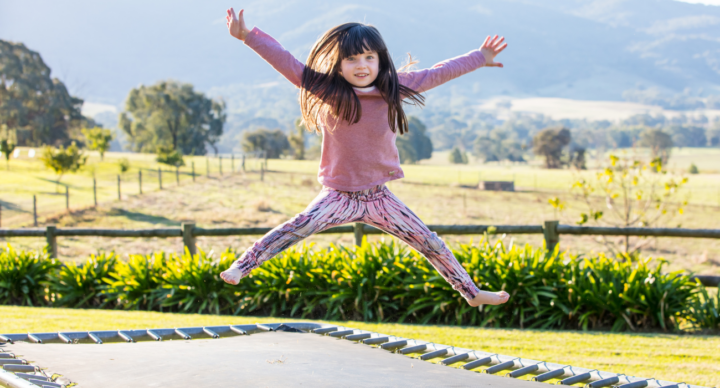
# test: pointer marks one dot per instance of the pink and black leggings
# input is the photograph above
(377, 207)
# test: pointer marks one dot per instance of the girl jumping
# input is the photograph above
(351, 92)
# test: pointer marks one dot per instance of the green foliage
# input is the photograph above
(83, 285)
(172, 114)
(24, 277)
(98, 139)
(415, 145)
(36, 106)
(458, 156)
(190, 284)
(274, 142)
(63, 160)
(297, 140)
(167, 155)
(6, 148)
(550, 143)
(382, 282)
(124, 165)
(133, 284)
(499, 145)
(693, 169)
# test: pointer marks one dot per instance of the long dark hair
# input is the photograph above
(324, 91)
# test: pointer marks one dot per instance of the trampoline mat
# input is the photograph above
(275, 359)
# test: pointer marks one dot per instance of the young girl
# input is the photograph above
(350, 90)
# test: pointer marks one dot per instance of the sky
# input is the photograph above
(706, 2)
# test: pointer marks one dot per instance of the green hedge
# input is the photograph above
(383, 282)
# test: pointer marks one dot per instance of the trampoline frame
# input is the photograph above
(13, 370)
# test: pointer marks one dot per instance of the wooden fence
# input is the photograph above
(550, 229)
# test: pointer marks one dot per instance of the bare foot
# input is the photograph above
(493, 298)
(231, 275)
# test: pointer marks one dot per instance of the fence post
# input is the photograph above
(358, 232)
(140, 181)
(160, 178)
(243, 163)
(119, 195)
(34, 210)
(552, 238)
(51, 239)
(94, 190)
(67, 198)
(193, 170)
(220, 164)
(262, 172)
(177, 175)
(189, 238)
(232, 163)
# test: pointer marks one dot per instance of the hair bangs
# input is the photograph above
(359, 39)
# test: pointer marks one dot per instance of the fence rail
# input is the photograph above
(551, 231)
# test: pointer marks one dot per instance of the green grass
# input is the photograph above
(682, 358)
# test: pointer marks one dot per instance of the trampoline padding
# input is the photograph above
(276, 359)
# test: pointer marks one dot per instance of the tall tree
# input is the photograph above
(63, 160)
(273, 142)
(550, 143)
(297, 140)
(98, 139)
(38, 108)
(172, 114)
(659, 142)
(414, 145)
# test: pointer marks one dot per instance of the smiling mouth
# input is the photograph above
(361, 75)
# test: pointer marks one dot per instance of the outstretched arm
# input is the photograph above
(267, 47)
(426, 79)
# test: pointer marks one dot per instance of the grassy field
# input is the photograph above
(241, 199)
(681, 358)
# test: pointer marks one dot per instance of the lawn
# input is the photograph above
(682, 358)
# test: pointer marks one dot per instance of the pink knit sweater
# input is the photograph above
(359, 156)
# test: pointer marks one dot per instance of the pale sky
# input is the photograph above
(706, 2)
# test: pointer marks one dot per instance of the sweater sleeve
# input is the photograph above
(276, 55)
(426, 79)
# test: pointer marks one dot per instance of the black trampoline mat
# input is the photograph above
(274, 359)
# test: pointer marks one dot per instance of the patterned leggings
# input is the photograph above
(377, 207)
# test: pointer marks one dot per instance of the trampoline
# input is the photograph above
(272, 355)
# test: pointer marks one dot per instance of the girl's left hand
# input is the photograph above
(492, 47)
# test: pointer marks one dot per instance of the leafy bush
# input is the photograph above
(133, 284)
(84, 285)
(383, 282)
(24, 276)
(190, 284)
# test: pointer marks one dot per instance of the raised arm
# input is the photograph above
(268, 48)
(426, 79)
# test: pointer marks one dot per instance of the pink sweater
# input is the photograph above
(359, 156)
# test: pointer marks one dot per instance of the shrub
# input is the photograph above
(84, 285)
(24, 276)
(133, 284)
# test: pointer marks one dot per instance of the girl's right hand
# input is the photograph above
(236, 24)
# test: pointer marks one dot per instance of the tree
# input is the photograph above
(659, 142)
(124, 165)
(172, 114)
(631, 197)
(63, 160)
(169, 156)
(497, 145)
(458, 157)
(7, 147)
(98, 139)
(274, 143)
(297, 140)
(415, 145)
(550, 143)
(37, 107)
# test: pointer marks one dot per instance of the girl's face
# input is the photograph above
(360, 70)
